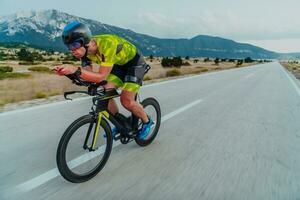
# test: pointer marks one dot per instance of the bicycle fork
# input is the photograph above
(96, 131)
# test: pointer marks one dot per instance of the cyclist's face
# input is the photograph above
(92, 47)
(79, 52)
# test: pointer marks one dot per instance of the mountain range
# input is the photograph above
(43, 29)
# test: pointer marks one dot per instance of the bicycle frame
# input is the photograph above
(101, 103)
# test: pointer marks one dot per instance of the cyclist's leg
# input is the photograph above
(112, 105)
(128, 101)
(132, 82)
(114, 81)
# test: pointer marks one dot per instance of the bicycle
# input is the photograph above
(96, 149)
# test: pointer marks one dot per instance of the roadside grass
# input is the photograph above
(38, 85)
(40, 82)
(294, 68)
(13, 75)
(39, 69)
(173, 72)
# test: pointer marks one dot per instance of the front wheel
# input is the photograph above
(75, 160)
(152, 109)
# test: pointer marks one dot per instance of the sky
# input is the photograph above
(274, 25)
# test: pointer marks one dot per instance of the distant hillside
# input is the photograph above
(43, 29)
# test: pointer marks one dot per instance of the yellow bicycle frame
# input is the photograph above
(96, 132)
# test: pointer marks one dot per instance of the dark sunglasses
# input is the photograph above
(74, 45)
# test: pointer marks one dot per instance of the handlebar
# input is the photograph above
(92, 87)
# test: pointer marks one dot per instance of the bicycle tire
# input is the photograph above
(151, 102)
(61, 161)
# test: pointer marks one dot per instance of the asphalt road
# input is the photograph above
(233, 134)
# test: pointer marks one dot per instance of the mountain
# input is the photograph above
(43, 28)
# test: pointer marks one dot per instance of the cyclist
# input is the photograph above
(121, 65)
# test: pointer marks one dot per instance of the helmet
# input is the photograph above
(76, 32)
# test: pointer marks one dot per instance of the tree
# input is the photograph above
(177, 61)
(187, 57)
(151, 57)
(25, 55)
(248, 60)
(217, 60)
(166, 62)
(240, 62)
(206, 59)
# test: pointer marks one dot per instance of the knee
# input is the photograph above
(127, 103)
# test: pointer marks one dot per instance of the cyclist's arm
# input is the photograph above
(95, 77)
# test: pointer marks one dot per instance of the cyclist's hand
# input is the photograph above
(65, 69)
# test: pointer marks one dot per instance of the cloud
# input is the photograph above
(225, 24)
(156, 19)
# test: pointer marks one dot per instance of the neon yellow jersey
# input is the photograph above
(112, 50)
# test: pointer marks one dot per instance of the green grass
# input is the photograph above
(39, 69)
(13, 75)
(4, 69)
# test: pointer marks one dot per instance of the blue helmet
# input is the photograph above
(76, 31)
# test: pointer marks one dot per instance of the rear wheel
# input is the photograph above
(152, 109)
(74, 161)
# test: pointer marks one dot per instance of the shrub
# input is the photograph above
(40, 95)
(217, 60)
(13, 75)
(248, 60)
(186, 64)
(67, 62)
(168, 62)
(6, 69)
(239, 63)
(173, 72)
(25, 55)
(27, 63)
(217, 68)
(147, 78)
(206, 59)
(39, 69)
(177, 61)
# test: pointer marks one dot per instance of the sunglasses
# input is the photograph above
(74, 45)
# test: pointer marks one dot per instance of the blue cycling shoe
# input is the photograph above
(114, 131)
(144, 132)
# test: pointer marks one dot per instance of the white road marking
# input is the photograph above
(53, 173)
(292, 81)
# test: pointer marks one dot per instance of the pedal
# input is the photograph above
(124, 140)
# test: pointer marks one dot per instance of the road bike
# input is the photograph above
(86, 144)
